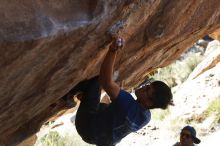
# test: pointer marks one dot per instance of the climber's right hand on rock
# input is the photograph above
(117, 44)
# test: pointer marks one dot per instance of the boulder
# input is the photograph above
(212, 59)
(215, 34)
(192, 97)
(47, 47)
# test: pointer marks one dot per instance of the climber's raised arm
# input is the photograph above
(107, 68)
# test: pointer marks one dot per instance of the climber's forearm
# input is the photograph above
(106, 73)
(107, 66)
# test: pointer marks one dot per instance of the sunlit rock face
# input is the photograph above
(47, 47)
(216, 34)
(213, 58)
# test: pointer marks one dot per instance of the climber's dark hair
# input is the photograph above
(162, 95)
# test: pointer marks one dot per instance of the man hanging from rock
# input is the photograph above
(106, 124)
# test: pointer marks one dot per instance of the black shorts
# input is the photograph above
(87, 111)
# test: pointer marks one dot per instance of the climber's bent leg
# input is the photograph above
(87, 110)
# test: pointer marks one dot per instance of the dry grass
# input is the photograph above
(179, 71)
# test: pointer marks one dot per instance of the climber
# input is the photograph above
(106, 124)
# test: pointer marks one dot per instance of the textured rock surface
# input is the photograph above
(47, 47)
(212, 60)
(216, 34)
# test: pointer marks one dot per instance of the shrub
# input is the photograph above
(53, 138)
(214, 109)
(179, 71)
(193, 60)
(158, 114)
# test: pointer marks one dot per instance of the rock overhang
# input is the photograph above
(47, 47)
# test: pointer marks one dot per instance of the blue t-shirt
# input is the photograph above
(128, 116)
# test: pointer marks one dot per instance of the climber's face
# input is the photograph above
(144, 96)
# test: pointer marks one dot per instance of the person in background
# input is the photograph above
(188, 137)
